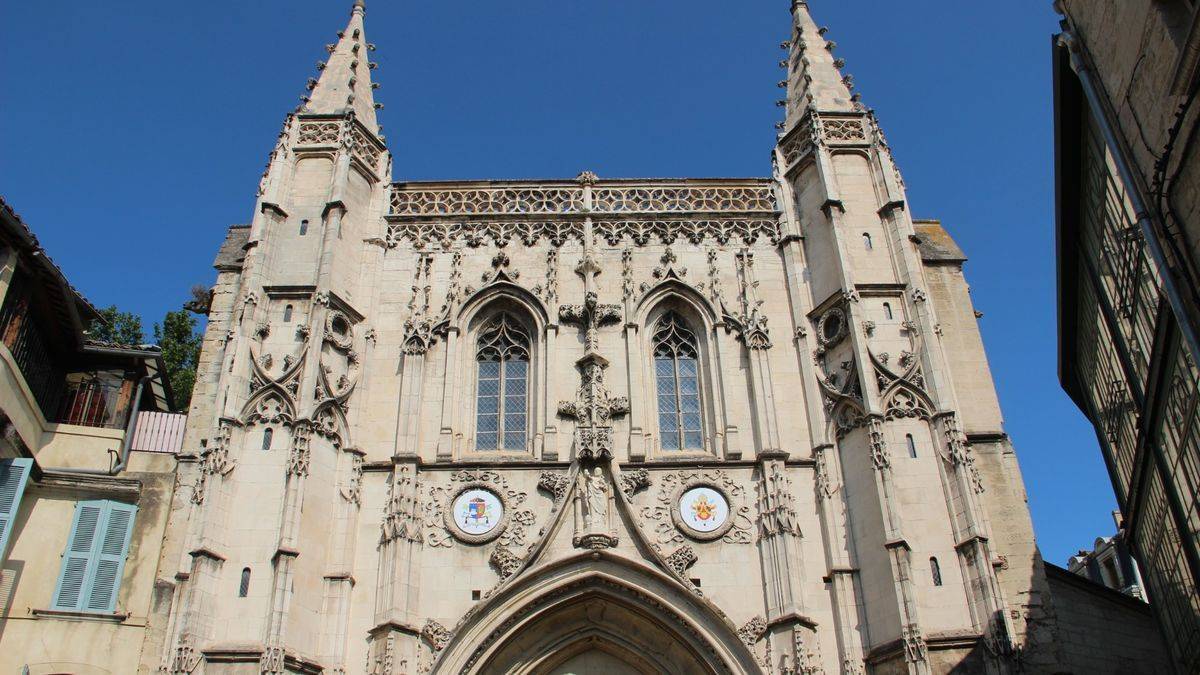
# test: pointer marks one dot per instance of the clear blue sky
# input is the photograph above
(133, 133)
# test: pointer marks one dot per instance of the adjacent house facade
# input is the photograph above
(83, 508)
(1128, 188)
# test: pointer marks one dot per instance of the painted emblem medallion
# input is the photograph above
(703, 509)
(477, 511)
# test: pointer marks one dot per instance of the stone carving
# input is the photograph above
(594, 443)
(271, 662)
(505, 562)
(555, 483)
(436, 635)
(338, 331)
(959, 451)
(776, 507)
(593, 509)
(881, 457)
(353, 490)
(719, 228)
(436, 509)
(695, 231)
(214, 460)
(797, 143)
(318, 133)
(806, 661)
(633, 481)
(489, 200)
(299, 454)
(753, 631)
(627, 274)
(663, 511)
(821, 480)
(918, 295)
(681, 559)
(549, 291)
(592, 405)
(668, 270)
(591, 315)
(402, 519)
(843, 130)
(714, 279)
(915, 650)
(831, 329)
(184, 658)
(750, 323)
(419, 333)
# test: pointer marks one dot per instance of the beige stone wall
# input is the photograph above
(1102, 631)
(48, 642)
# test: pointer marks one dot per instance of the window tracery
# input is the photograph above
(502, 385)
(677, 384)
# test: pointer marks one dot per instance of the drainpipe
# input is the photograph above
(1144, 219)
(123, 460)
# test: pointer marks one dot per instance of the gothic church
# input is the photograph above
(594, 425)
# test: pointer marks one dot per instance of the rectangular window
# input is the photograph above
(95, 557)
(13, 474)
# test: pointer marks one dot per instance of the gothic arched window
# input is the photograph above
(502, 390)
(677, 378)
(936, 570)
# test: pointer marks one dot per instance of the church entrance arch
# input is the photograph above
(596, 613)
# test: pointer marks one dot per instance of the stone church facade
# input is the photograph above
(646, 426)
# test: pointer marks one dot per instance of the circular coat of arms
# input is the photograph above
(702, 512)
(476, 515)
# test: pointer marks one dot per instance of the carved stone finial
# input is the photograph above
(586, 178)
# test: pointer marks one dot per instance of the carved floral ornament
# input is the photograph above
(684, 496)
(823, 129)
(440, 527)
(345, 132)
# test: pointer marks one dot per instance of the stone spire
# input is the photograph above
(814, 79)
(345, 81)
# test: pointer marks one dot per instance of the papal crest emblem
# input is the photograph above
(703, 509)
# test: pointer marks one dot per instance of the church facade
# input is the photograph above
(594, 425)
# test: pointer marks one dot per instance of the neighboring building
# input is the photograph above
(82, 508)
(1128, 186)
(1110, 564)
(597, 425)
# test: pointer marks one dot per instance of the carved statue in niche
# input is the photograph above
(593, 508)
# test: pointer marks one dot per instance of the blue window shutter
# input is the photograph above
(95, 557)
(13, 474)
(69, 591)
(109, 559)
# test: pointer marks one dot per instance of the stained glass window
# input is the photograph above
(502, 394)
(677, 382)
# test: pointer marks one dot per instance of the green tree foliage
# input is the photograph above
(180, 344)
(124, 328)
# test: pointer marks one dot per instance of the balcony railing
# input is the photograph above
(93, 403)
(28, 348)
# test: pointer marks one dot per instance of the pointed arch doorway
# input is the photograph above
(596, 613)
(595, 635)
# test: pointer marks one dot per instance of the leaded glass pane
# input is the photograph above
(487, 405)
(677, 386)
(670, 441)
(503, 347)
(485, 440)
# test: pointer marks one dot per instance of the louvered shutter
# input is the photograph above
(113, 546)
(13, 474)
(78, 557)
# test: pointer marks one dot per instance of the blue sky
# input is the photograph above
(133, 133)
